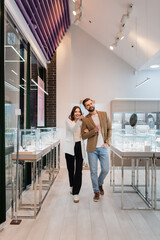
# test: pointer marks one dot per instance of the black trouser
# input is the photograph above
(74, 166)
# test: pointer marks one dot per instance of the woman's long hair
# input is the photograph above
(71, 116)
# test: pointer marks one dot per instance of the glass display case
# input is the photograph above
(139, 118)
(45, 136)
(31, 140)
(28, 141)
(9, 149)
(147, 112)
(132, 142)
(157, 141)
(56, 134)
(9, 137)
(146, 121)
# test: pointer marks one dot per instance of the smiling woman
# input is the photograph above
(74, 151)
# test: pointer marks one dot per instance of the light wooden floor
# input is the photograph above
(61, 219)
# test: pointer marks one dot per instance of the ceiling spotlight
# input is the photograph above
(74, 1)
(124, 19)
(154, 66)
(75, 12)
(120, 36)
(113, 46)
(77, 21)
(122, 27)
(130, 8)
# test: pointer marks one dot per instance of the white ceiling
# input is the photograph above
(141, 46)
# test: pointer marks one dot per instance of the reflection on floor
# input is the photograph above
(60, 218)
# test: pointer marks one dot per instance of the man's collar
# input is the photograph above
(90, 115)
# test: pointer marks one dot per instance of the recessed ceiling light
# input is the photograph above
(155, 66)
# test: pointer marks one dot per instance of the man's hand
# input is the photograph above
(105, 145)
(97, 128)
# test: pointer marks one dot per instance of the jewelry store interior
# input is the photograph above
(54, 54)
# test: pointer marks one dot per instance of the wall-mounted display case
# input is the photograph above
(147, 111)
(145, 134)
(146, 121)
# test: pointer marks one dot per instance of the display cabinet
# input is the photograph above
(56, 134)
(9, 138)
(28, 140)
(45, 136)
(147, 112)
(146, 121)
(157, 141)
(32, 140)
(38, 147)
(132, 142)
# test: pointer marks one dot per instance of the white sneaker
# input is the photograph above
(71, 188)
(76, 198)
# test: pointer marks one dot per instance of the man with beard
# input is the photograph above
(98, 135)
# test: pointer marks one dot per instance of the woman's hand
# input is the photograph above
(82, 116)
(78, 117)
(86, 130)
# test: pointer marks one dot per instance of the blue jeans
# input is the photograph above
(101, 154)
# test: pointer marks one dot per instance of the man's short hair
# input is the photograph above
(85, 100)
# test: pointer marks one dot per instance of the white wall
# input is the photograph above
(63, 87)
(64, 83)
(86, 68)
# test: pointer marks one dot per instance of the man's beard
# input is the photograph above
(91, 109)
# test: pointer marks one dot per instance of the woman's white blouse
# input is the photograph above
(77, 135)
(73, 133)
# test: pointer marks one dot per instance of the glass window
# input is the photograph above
(36, 73)
(15, 93)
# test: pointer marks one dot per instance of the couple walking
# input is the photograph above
(95, 127)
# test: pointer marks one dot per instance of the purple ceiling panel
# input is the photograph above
(48, 21)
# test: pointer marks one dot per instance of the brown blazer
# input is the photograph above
(92, 136)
